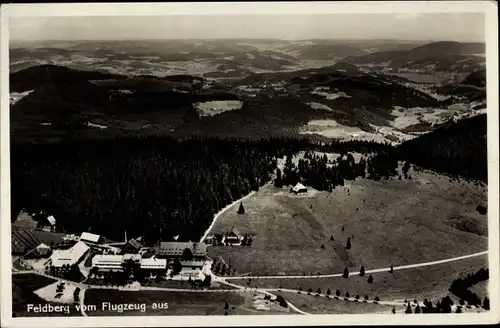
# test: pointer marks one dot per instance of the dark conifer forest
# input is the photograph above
(159, 187)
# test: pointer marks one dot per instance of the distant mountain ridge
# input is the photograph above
(443, 55)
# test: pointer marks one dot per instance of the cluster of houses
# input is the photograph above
(108, 257)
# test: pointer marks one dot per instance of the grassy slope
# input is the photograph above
(393, 222)
(23, 287)
(427, 282)
(321, 305)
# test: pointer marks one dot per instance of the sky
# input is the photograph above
(436, 27)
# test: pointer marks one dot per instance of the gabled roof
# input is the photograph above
(235, 231)
(299, 186)
(153, 263)
(87, 236)
(69, 256)
(176, 248)
(52, 220)
(42, 245)
(135, 244)
(107, 259)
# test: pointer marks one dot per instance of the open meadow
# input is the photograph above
(320, 305)
(23, 294)
(430, 282)
(395, 222)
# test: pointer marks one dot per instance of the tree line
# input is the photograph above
(160, 187)
(460, 287)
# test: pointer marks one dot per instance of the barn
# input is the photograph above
(299, 189)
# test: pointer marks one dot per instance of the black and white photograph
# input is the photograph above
(272, 162)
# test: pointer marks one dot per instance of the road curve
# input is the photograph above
(82, 296)
(265, 291)
(401, 267)
(202, 239)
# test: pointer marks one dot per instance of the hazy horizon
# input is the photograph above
(461, 27)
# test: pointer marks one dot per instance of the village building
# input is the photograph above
(41, 251)
(90, 238)
(131, 246)
(153, 264)
(178, 249)
(108, 262)
(47, 224)
(299, 189)
(68, 257)
(234, 237)
(134, 257)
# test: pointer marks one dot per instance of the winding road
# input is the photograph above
(401, 267)
(221, 212)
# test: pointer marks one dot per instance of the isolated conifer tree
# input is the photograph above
(322, 246)
(370, 279)
(328, 291)
(486, 303)
(310, 290)
(393, 310)
(331, 238)
(348, 245)
(343, 228)
(278, 182)
(418, 310)
(347, 294)
(241, 209)
(319, 290)
(226, 306)
(362, 271)
(337, 292)
(408, 309)
(346, 273)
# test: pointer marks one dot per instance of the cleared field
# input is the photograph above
(389, 222)
(419, 283)
(321, 305)
(23, 288)
(179, 303)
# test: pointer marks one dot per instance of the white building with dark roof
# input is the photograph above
(108, 262)
(91, 238)
(299, 188)
(70, 256)
(153, 263)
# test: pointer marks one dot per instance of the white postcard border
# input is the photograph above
(269, 8)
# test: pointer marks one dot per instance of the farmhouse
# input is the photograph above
(68, 257)
(132, 246)
(107, 262)
(90, 238)
(42, 250)
(299, 188)
(47, 224)
(234, 237)
(177, 249)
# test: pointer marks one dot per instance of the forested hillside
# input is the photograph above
(457, 149)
